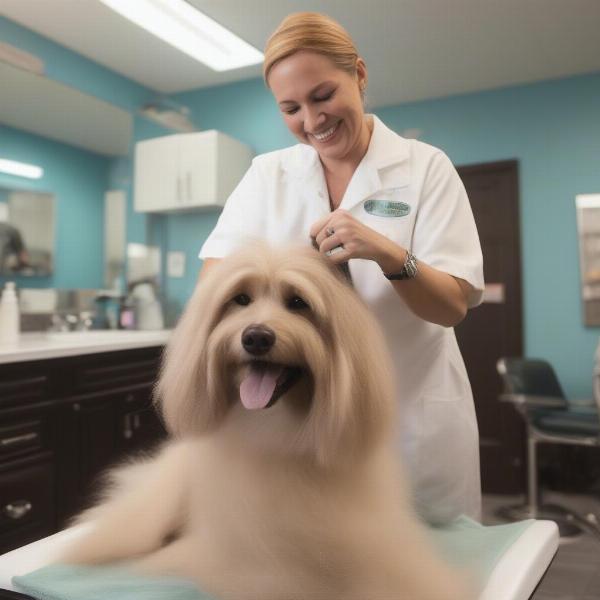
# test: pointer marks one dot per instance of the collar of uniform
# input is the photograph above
(299, 160)
(386, 148)
(384, 166)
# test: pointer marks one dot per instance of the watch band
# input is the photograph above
(409, 270)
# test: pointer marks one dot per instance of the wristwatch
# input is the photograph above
(409, 270)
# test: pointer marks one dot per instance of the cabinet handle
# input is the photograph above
(18, 439)
(178, 189)
(17, 509)
(76, 407)
(188, 181)
(127, 431)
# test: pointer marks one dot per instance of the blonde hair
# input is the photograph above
(314, 32)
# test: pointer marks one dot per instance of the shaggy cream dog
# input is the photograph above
(280, 482)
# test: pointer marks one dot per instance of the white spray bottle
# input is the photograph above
(9, 315)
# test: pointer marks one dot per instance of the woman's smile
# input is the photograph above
(327, 135)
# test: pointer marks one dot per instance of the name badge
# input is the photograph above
(386, 208)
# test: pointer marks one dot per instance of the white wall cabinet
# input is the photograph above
(188, 171)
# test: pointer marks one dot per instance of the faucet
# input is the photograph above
(71, 322)
(85, 321)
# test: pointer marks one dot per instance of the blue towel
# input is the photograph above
(463, 542)
(67, 582)
(475, 547)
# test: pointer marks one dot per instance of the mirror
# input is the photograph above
(26, 232)
(588, 226)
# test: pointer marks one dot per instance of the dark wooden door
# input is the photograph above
(494, 329)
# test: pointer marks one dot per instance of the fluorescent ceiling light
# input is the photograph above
(187, 29)
(12, 167)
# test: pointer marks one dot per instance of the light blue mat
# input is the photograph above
(66, 582)
(463, 543)
(468, 544)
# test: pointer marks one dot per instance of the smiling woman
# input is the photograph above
(392, 213)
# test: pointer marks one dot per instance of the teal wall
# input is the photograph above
(551, 128)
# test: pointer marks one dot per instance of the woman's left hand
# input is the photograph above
(340, 229)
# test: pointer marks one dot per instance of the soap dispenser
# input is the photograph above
(9, 315)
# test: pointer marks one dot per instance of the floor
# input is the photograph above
(575, 571)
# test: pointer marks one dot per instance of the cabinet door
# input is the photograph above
(26, 500)
(157, 184)
(86, 448)
(197, 167)
(140, 427)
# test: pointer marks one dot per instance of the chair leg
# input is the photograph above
(532, 480)
(533, 509)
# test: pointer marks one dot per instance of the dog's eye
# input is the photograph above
(296, 303)
(242, 299)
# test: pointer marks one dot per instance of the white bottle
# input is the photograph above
(9, 315)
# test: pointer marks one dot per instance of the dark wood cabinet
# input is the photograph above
(63, 422)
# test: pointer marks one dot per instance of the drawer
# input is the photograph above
(112, 372)
(21, 437)
(17, 388)
(27, 496)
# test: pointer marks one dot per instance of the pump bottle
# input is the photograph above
(9, 315)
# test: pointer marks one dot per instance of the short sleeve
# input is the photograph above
(445, 235)
(240, 220)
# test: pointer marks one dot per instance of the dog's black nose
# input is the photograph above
(258, 339)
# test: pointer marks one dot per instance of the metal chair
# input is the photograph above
(534, 390)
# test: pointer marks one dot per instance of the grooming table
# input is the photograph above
(509, 560)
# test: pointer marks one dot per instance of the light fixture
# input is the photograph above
(186, 28)
(12, 167)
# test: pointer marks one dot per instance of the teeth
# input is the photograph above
(326, 134)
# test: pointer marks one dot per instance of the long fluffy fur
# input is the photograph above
(301, 500)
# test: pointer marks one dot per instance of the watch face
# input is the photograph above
(411, 266)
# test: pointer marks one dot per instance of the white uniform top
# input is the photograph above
(410, 192)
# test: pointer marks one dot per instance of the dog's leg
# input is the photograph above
(144, 504)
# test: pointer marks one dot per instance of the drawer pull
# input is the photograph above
(18, 439)
(18, 509)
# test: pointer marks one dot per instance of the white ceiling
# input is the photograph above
(414, 49)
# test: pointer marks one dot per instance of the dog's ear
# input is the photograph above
(354, 399)
(185, 394)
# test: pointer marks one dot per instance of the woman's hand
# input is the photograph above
(432, 295)
(341, 237)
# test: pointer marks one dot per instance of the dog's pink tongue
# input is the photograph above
(257, 388)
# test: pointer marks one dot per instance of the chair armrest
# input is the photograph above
(529, 400)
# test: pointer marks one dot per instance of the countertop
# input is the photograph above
(36, 346)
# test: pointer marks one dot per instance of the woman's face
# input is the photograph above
(321, 104)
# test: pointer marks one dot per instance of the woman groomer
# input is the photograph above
(398, 212)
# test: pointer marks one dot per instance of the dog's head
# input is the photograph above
(277, 342)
